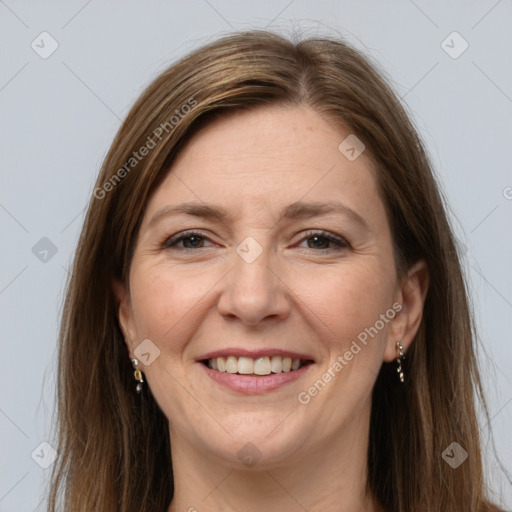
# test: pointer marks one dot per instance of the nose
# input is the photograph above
(255, 290)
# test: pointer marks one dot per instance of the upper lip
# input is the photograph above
(255, 354)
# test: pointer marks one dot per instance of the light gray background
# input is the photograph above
(59, 116)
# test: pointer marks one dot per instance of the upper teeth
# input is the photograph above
(259, 366)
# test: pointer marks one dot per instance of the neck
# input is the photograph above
(332, 478)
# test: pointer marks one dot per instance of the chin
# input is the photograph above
(257, 440)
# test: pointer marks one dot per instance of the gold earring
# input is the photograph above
(138, 375)
(399, 355)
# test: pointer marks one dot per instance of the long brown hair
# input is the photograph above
(114, 444)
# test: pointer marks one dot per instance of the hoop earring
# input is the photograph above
(138, 375)
(400, 354)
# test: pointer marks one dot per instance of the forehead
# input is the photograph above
(269, 158)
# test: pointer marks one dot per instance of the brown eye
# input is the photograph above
(324, 241)
(191, 240)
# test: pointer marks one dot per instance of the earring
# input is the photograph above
(399, 355)
(138, 375)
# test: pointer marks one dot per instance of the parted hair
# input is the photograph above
(113, 444)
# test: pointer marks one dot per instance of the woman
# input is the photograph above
(266, 309)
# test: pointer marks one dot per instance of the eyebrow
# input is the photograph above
(295, 211)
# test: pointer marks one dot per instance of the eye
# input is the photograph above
(321, 238)
(191, 240)
(195, 240)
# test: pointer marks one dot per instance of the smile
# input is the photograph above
(254, 366)
(250, 372)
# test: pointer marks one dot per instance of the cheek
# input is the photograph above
(349, 302)
(167, 303)
(158, 303)
(348, 312)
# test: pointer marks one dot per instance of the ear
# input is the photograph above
(411, 295)
(124, 314)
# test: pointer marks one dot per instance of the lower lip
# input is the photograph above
(255, 385)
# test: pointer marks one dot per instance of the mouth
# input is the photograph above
(255, 372)
(260, 366)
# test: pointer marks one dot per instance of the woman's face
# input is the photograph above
(272, 272)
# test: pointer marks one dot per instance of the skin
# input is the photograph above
(296, 295)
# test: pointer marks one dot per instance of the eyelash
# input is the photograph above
(170, 243)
